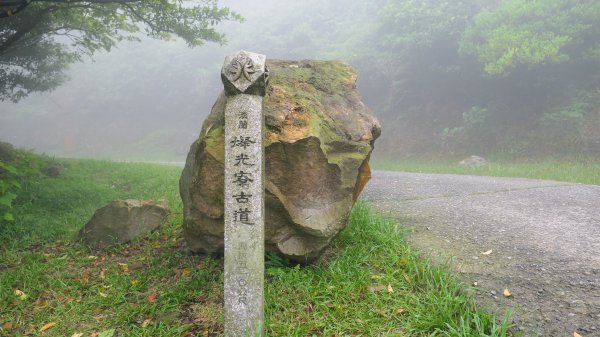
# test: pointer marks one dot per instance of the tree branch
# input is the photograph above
(150, 24)
(16, 6)
(31, 24)
(20, 5)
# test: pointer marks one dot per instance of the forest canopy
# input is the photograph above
(534, 33)
(446, 78)
(510, 76)
(39, 39)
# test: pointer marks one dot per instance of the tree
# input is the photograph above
(39, 39)
(532, 33)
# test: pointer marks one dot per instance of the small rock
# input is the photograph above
(122, 221)
(473, 162)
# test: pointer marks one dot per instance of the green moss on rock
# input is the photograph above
(318, 140)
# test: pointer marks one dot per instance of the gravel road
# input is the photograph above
(544, 238)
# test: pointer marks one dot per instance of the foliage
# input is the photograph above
(8, 184)
(536, 55)
(39, 39)
(14, 174)
(408, 33)
(423, 85)
(475, 129)
(574, 127)
(421, 66)
(533, 33)
(410, 24)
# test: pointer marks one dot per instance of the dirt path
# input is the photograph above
(544, 238)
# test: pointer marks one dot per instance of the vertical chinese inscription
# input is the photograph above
(244, 76)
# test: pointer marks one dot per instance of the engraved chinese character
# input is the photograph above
(242, 215)
(242, 159)
(243, 125)
(242, 179)
(243, 114)
(241, 142)
(242, 198)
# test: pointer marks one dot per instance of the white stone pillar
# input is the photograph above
(244, 76)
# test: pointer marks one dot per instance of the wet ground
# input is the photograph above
(538, 239)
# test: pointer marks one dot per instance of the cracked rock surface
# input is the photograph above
(544, 238)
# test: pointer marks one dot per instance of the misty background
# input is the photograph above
(446, 79)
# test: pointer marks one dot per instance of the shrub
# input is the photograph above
(15, 170)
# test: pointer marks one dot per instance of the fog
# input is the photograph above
(428, 70)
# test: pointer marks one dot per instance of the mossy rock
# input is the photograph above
(318, 139)
(122, 221)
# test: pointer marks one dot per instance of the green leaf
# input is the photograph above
(14, 183)
(9, 217)
(107, 333)
(9, 168)
(6, 200)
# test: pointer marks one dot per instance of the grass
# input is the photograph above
(50, 209)
(370, 284)
(585, 171)
(375, 286)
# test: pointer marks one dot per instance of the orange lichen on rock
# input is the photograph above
(318, 139)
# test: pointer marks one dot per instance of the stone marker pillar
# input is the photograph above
(244, 76)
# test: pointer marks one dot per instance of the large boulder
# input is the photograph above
(318, 139)
(122, 221)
